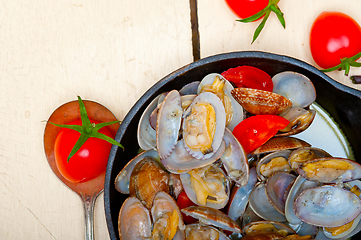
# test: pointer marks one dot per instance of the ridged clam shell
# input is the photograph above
(280, 143)
(257, 101)
(211, 216)
(202, 232)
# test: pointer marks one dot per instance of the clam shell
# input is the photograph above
(190, 88)
(304, 154)
(279, 226)
(257, 101)
(146, 180)
(168, 124)
(134, 220)
(327, 206)
(146, 134)
(262, 207)
(163, 203)
(280, 143)
(200, 232)
(235, 160)
(296, 87)
(300, 119)
(346, 234)
(240, 195)
(237, 109)
(266, 159)
(187, 185)
(331, 175)
(181, 160)
(211, 216)
(123, 178)
(220, 123)
(276, 187)
(298, 186)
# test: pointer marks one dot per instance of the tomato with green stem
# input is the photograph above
(251, 11)
(335, 41)
(256, 130)
(82, 147)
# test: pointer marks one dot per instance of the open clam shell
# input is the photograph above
(240, 195)
(262, 207)
(235, 160)
(146, 134)
(269, 164)
(267, 226)
(301, 155)
(330, 170)
(296, 87)
(201, 232)
(190, 119)
(214, 217)
(300, 119)
(276, 187)
(327, 206)
(180, 160)
(298, 186)
(344, 234)
(233, 109)
(213, 179)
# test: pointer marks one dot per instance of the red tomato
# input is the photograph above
(250, 77)
(333, 36)
(254, 131)
(246, 8)
(91, 159)
(183, 201)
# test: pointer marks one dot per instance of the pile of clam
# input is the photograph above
(285, 189)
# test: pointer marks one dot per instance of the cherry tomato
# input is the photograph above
(254, 131)
(333, 36)
(246, 8)
(183, 201)
(91, 159)
(250, 77)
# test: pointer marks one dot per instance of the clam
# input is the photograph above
(123, 178)
(260, 204)
(298, 186)
(218, 85)
(207, 186)
(280, 143)
(211, 216)
(190, 88)
(267, 227)
(330, 170)
(300, 119)
(276, 189)
(273, 162)
(168, 124)
(148, 178)
(240, 195)
(146, 134)
(295, 87)
(301, 155)
(134, 220)
(234, 159)
(257, 101)
(180, 160)
(344, 231)
(201, 232)
(203, 125)
(327, 206)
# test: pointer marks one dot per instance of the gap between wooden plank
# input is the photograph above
(195, 30)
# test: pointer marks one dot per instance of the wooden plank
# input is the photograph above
(220, 33)
(51, 51)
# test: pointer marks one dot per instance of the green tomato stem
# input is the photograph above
(87, 130)
(271, 7)
(345, 64)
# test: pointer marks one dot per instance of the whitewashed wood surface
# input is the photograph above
(111, 52)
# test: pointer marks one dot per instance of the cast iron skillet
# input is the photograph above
(341, 102)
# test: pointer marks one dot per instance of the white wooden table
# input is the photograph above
(111, 52)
